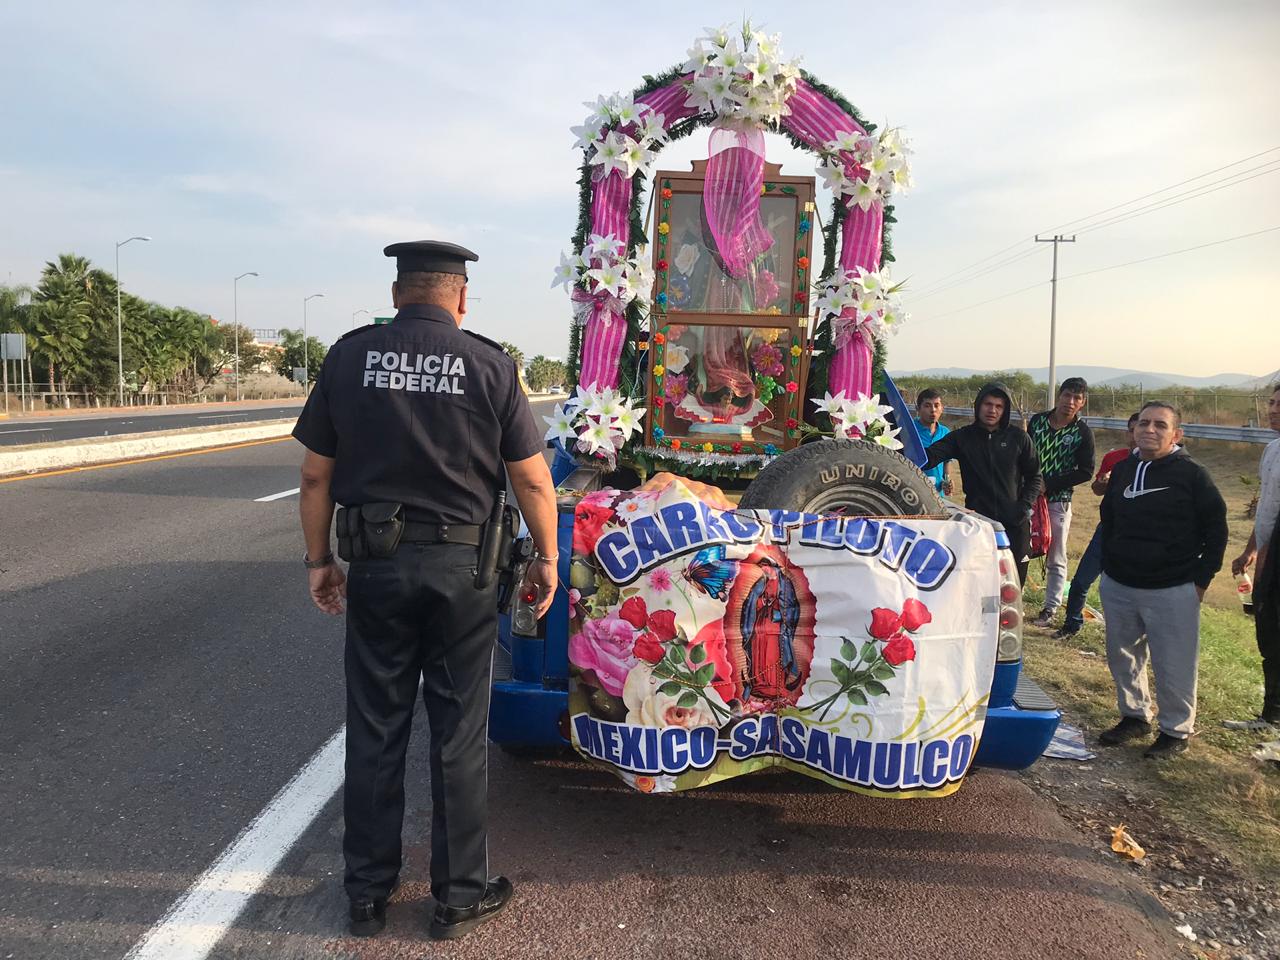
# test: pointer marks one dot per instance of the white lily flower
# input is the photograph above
(652, 127)
(561, 424)
(699, 58)
(830, 405)
(596, 437)
(624, 109)
(888, 438)
(567, 272)
(864, 193)
(637, 157)
(870, 281)
(834, 177)
(847, 142)
(610, 154)
(608, 278)
(628, 421)
(718, 36)
(730, 57)
(607, 247)
(588, 134)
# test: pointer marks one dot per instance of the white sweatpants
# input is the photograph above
(1055, 562)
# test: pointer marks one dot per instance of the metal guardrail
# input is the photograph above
(1199, 431)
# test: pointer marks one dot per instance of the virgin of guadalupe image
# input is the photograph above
(769, 621)
(722, 390)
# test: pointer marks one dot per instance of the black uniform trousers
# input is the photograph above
(418, 614)
(1266, 610)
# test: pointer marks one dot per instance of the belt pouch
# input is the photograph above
(350, 546)
(381, 528)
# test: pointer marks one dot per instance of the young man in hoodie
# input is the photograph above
(998, 467)
(1164, 531)
(1064, 444)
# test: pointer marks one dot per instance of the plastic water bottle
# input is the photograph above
(1244, 588)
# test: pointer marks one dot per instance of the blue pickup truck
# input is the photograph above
(529, 707)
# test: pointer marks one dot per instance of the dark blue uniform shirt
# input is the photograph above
(419, 412)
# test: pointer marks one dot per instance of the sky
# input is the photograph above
(297, 140)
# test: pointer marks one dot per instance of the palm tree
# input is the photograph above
(62, 318)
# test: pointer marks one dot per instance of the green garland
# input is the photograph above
(819, 367)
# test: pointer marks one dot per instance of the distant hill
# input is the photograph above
(1109, 376)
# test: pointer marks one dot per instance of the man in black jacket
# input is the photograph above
(1064, 444)
(998, 466)
(1163, 530)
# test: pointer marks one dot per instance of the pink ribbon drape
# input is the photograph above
(817, 121)
(602, 339)
(731, 196)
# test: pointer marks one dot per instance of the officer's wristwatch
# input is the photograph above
(320, 564)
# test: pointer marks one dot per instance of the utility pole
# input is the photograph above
(1053, 313)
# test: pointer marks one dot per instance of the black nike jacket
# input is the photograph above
(1164, 523)
(999, 468)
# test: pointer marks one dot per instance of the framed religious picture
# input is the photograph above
(729, 342)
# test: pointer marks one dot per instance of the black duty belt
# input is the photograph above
(464, 533)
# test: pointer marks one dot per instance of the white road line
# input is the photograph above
(34, 430)
(194, 925)
(218, 416)
(278, 496)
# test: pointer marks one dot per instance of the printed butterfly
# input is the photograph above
(710, 572)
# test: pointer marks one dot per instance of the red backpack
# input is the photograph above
(1041, 530)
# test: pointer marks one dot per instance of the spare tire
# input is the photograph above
(849, 477)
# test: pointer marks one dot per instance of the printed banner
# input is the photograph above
(708, 642)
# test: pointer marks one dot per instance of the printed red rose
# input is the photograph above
(663, 624)
(915, 615)
(649, 648)
(898, 650)
(884, 623)
(588, 522)
(635, 612)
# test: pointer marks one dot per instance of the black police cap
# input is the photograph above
(430, 256)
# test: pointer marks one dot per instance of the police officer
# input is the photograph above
(409, 428)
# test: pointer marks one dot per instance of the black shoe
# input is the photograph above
(369, 916)
(1129, 728)
(1065, 632)
(449, 923)
(1166, 747)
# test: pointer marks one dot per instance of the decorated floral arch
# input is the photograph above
(740, 83)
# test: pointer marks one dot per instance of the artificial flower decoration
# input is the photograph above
(737, 447)
(661, 300)
(862, 417)
(767, 360)
(658, 432)
(677, 387)
(740, 75)
(659, 338)
(604, 274)
(707, 448)
(664, 228)
(792, 423)
(865, 168)
(675, 444)
(796, 350)
(792, 386)
(620, 135)
(802, 263)
(662, 264)
(596, 423)
(770, 450)
(677, 358)
(666, 193)
(861, 300)
(659, 370)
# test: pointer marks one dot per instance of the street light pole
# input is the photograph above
(235, 307)
(306, 365)
(119, 323)
(356, 314)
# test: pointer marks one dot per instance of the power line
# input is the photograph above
(991, 269)
(1154, 193)
(1172, 253)
(940, 284)
(1212, 187)
(1114, 266)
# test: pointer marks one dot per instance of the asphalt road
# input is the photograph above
(19, 431)
(163, 675)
